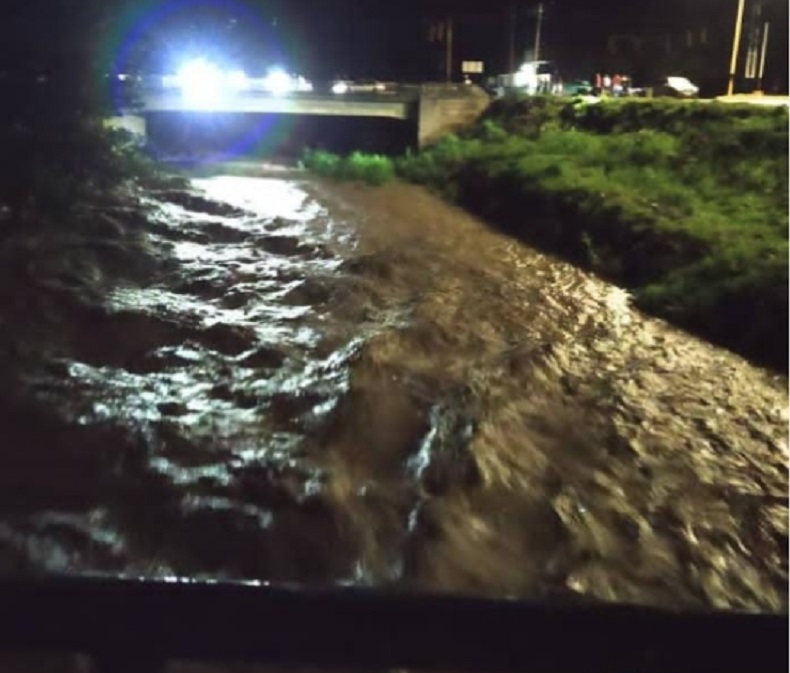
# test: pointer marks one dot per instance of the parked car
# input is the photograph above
(675, 87)
(577, 87)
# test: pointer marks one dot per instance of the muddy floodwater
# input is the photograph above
(334, 384)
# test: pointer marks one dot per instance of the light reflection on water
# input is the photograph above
(265, 197)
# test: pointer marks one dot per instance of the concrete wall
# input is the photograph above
(446, 109)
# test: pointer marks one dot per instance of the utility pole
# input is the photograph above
(537, 32)
(736, 40)
(449, 50)
(762, 57)
(753, 41)
(512, 53)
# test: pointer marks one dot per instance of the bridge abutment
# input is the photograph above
(445, 109)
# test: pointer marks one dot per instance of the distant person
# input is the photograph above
(617, 85)
(558, 88)
(598, 84)
(607, 84)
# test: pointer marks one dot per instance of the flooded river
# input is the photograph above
(337, 384)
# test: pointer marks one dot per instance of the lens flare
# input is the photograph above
(201, 83)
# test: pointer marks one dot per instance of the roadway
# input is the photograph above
(755, 99)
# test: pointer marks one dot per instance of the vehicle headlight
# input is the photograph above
(340, 88)
(238, 80)
(201, 82)
(303, 85)
(279, 82)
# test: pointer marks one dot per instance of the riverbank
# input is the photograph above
(683, 203)
(73, 227)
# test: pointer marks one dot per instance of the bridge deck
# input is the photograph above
(393, 106)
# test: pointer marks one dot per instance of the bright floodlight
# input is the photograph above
(340, 88)
(278, 82)
(238, 80)
(200, 82)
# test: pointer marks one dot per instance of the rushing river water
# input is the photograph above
(335, 384)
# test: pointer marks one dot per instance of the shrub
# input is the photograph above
(59, 163)
(374, 169)
(321, 162)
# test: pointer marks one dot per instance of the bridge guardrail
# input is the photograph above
(129, 620)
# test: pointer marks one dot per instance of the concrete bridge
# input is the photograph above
(434, 109)
(395, 105)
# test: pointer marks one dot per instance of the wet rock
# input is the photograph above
(287, 410)
(445, 460)
(222, 391)
(377, 265)
(309, 293)
(246, 399)
(317, 251)
(172, 408)
(209, 288)
(199, 204)
(228, 339)
(280, 245)
(183, 233)
(238, 299)
(279, 484)
(181, 450)
(264, 357)
(220, 233)
(125, 338)
(162, 360)
(279, 223)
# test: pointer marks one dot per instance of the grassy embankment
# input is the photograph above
(685, 203)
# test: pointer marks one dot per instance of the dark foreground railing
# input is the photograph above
(137, 625)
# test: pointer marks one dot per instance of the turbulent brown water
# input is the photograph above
(335, 384)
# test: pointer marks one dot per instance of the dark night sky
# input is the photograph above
(379, 38)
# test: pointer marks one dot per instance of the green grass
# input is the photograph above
(686, 203)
